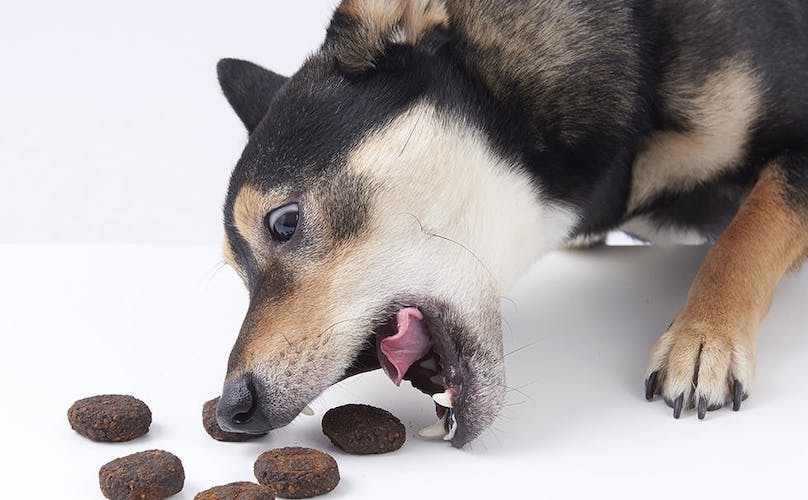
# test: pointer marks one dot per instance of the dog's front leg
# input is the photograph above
(707, 356)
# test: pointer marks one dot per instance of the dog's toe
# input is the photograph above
(700, 367)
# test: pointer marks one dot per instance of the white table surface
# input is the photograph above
(158, 322)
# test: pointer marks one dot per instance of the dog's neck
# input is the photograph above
(442, 178)
(579, 101)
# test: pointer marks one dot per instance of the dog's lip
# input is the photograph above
(454, 373)
(368, 360)
(442, 344)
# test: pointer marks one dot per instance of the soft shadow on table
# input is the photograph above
(577, 338)
(577, 345)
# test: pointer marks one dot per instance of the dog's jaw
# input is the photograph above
(454, 222)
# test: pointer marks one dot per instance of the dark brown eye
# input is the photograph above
(282, 222)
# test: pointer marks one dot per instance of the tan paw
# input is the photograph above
(699, 365)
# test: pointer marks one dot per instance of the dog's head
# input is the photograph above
(372, 222)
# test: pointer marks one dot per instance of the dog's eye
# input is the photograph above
(282, 222)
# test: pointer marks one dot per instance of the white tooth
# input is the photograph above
(443, 399)
(429, 364)
(452, 430)
(434, 431)
(307, 411)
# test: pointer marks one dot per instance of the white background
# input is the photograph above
(112, 124)
(158, 322)
(113, 130)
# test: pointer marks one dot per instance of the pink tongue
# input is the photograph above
(411, 343)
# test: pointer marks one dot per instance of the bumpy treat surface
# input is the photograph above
(110, 417)
(238, 491)
(147, 475)
(212, 426)
(363, 429)
(297, 472)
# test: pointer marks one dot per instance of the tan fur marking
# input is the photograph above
(717, 328)
(249, 209)
(294, 343)
(721, 112)
(383, 21)
(291, 324)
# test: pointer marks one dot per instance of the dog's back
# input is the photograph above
(699, 94)
(730, 85)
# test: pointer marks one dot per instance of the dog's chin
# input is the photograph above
(465, 381)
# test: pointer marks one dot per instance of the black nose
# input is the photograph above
(239, 407)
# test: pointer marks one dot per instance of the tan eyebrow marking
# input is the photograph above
(248, 212)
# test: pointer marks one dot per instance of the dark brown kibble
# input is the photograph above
(363, 429)
(111, 417)
(212, 426)
(297, 472)
(147, 475)
(238, 491)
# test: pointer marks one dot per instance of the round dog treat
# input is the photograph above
(363, 429)
(297, 472)
(147, 475)
(212, 426)
(238, 491)
(111, 417)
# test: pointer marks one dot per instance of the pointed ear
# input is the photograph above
(366, 33)
(249, 89)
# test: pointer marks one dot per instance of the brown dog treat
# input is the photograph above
(110, 417)
(238, 491)
(212, 426)
(147, 475)
(363, 429)
(297, 472)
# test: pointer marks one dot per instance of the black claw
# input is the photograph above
(651, 386)
(677, 406)
(737, 396)
(702, 407)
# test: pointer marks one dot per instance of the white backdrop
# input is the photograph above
(113, 129)
(112, 125)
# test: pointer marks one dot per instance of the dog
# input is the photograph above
(395, 187)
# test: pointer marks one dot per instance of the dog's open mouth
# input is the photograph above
(411, 346)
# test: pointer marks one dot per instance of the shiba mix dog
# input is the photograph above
(394, 188)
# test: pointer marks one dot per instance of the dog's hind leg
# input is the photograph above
(706, 358)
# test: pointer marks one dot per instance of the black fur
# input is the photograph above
(773, 37)
(249, 89)
(579, 137)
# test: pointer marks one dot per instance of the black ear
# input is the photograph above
(249, 89)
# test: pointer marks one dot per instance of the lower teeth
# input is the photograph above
(434, 431)
(444, 428)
